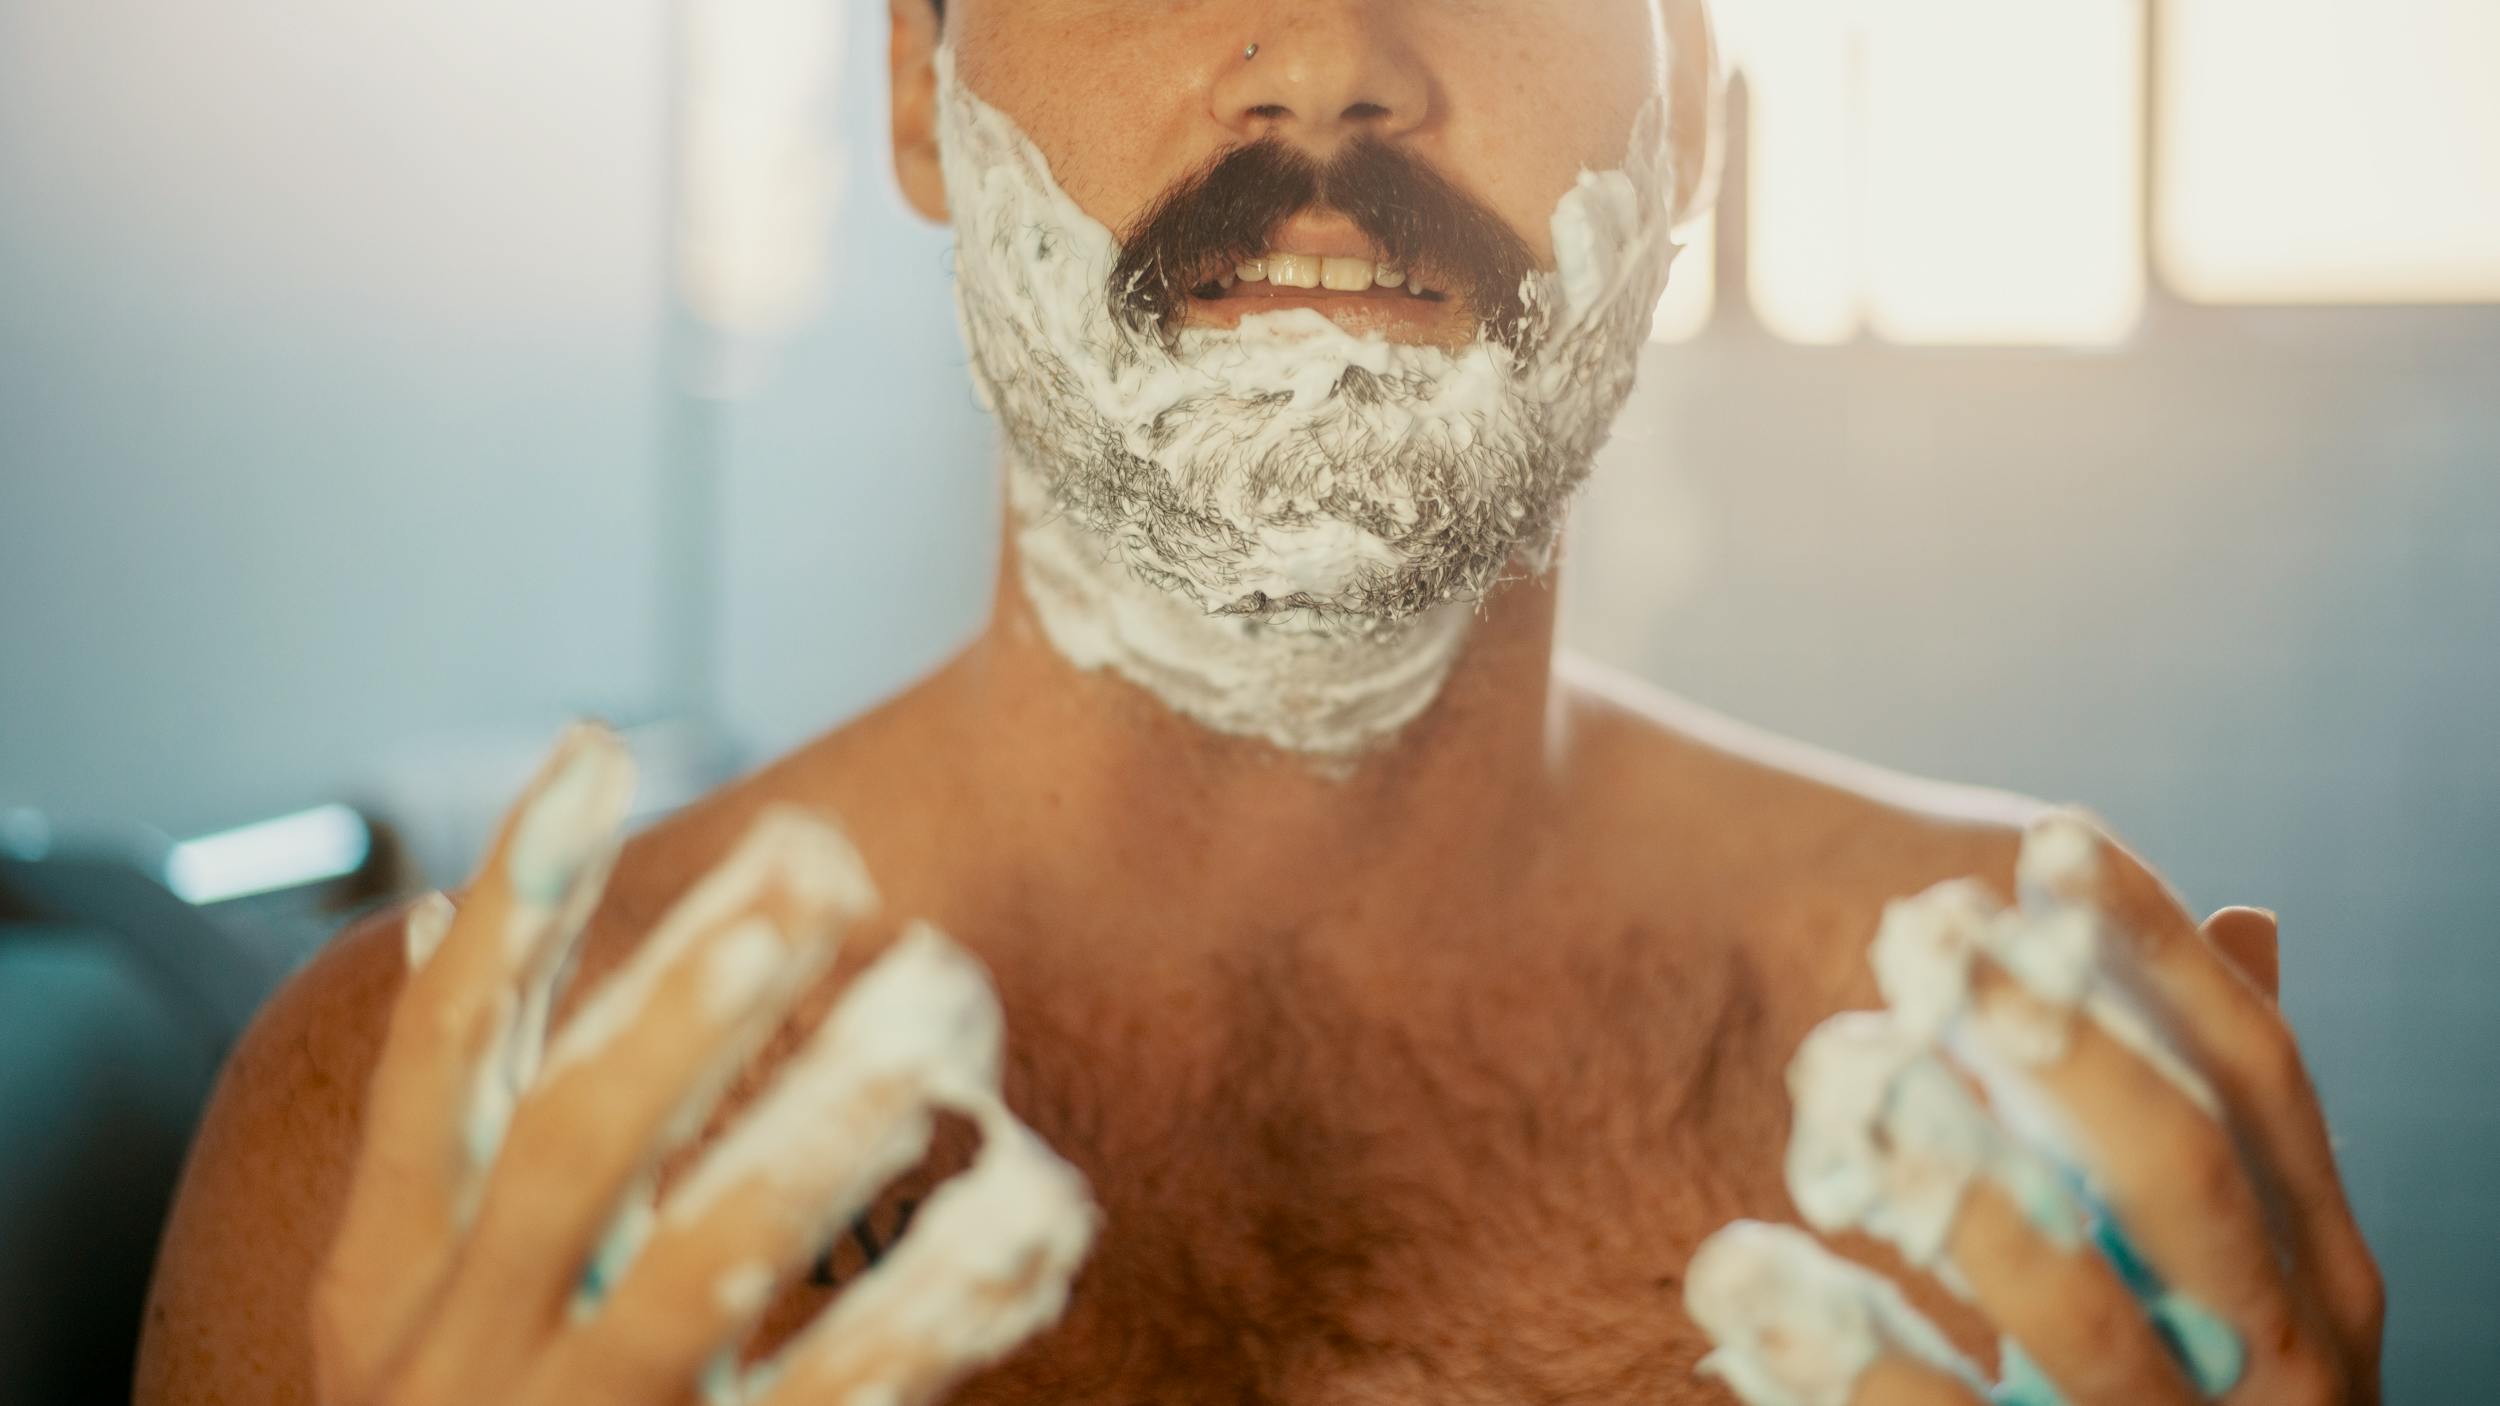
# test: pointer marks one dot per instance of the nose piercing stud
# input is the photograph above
(1251, 52)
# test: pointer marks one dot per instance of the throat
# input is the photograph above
(1327, 688)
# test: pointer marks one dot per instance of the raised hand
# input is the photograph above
(2083, 1120)
(501, 1239)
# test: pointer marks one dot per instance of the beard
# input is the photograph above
(1287, 472)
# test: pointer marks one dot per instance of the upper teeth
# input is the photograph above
(1314, 271)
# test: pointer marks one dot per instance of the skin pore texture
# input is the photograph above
(1280, 527)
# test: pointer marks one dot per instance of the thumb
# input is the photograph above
(2247, 939)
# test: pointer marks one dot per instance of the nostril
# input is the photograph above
(1365, 112)
(1271, 112)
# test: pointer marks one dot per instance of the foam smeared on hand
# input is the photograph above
(919, 1029)
(1795, 1324)
(2063, 952)
(1888, 1140)
(988, 1257)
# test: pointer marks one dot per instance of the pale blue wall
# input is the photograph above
(328, 361)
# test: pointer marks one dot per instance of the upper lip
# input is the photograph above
(1327, 237)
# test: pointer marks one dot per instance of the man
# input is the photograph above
(1411, 1010)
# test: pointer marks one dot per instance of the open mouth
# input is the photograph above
(1350, 286)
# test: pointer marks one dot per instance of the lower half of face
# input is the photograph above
(1505, 102)
(1344, 368)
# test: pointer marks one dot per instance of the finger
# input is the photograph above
(850, 1113)
(632, 1075)
(2183, 1206)
(2246, 938)
(1898, 1381)
(1792, 1321)
(2231, 1030)
(986, 1265)
(1890, 1141)
(461, 1029)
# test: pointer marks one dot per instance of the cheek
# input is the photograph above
(1535, 93)
(1098, 87)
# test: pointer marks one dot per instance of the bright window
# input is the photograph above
(1692, 287)
(2331, 150)
(1945, 170)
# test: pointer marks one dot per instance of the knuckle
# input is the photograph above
(2271, 1056)
(2304, 1374)
(2206, 1171)
(2367, 1292)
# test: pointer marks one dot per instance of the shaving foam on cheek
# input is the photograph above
(1280, 530)
(1796, 1325)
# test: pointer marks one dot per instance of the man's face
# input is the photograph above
(1307, 310)
(1484, 112)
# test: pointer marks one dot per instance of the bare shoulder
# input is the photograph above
(1804, 843)
(265, 1180)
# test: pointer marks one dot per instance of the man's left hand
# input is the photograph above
(2086, 1117)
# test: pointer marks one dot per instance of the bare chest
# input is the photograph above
(1470, 1176)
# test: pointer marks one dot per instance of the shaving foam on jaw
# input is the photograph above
(1796, 1325)
(1279, 530)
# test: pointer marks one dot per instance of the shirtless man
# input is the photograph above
(1413, 1010)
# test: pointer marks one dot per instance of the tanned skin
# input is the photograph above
(1419, 1084)
(1414, 1084)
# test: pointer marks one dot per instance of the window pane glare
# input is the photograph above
(2004, 153)
(1692, 287)
(2328, 151)
(1803, 258)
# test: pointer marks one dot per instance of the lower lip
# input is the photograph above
(1398, 316)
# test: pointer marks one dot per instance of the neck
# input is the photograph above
(1449, 778)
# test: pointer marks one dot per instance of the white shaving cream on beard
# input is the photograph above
(1281, 530)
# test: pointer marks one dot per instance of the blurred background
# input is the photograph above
(2097, 398)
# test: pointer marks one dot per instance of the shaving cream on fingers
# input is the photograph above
(988, 1257)
(986, 1264)
(555, 859)
(1888, 1140)
(1796, 1325)
(2065, 964)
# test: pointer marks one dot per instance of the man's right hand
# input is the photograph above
(501, 1240)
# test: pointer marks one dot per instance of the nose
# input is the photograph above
(1323, 71)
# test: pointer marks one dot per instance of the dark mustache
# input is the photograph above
(1227, 211)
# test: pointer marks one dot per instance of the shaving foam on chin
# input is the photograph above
(1281, 530)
